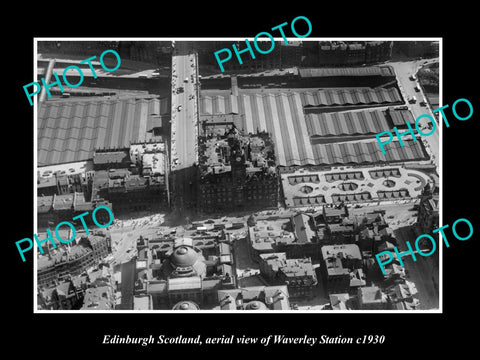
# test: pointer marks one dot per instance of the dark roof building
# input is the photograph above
(347, 71)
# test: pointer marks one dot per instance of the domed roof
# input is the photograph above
(255, 305)
(184, 256)
(185, 305)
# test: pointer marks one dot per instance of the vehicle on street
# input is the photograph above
(417, 88)
(413, 77)
(412, 100)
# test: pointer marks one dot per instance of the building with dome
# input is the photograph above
(184, 260)
(185, 305)
(184, 274)
(259, 298)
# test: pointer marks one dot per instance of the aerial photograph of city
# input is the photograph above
(201, 184)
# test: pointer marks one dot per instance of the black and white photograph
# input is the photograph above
(260, 187)
(201, 180)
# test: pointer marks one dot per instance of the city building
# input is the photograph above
(343, 53)
(64, 296)
(342, 268)
(297, 274)
(273, 236)
(142, 302)
(325, 227)
(174, 270)
(281, 113)
(428, 213)
(372, 298)
(99, 298)
(60, 263)
(62, 179)
(105, 159)
(417, 48)
(254, 298)
(282, 56)
(341, 302)
(52, 209)
(378, 51)
(186, 305)
(68, 294)
(364, 76)
(236, 172)
(401, 296)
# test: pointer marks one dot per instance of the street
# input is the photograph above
(125, 233)
(184, 108)
(404, 70)
(421, 272)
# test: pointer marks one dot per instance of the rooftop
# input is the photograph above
(271, 298)
(401, 116)
(337, 259)
(339, 301)
(298, 268)
(265, 234)
(219, 150)
(191, 282)
(99, 298)
(281, 115)
(371, 294)
(344, 251)
(70, 131)
(304, 227)
(68, 253)
(355, 122)
(349, 71)
(111, 157)
(141, 302)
